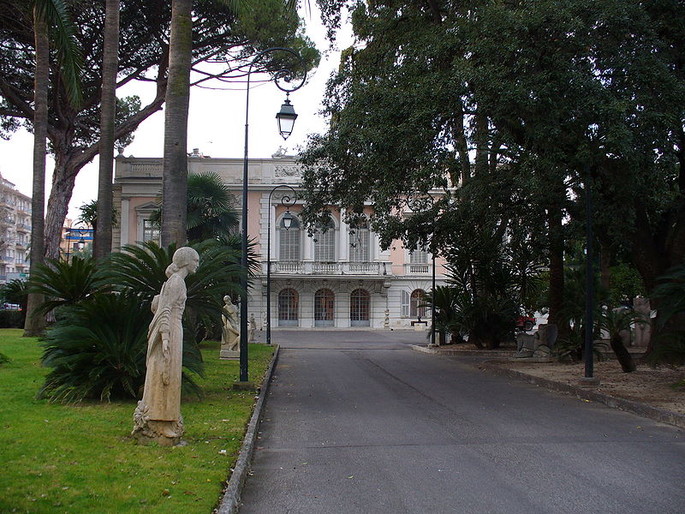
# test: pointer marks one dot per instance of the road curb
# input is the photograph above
(230, 500)
(646, 411)
(455, 351)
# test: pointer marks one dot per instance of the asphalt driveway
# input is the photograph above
(357, 422)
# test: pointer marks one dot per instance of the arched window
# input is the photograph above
(288, 303)
(324, 242)
(324, 308)
(417, 304)
(360, 307)
(360, 243)
(289, 245)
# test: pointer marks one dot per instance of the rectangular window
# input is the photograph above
(324, 247)
(359, 245)
(418, 257)
(150, 231)
(405, 304)
(289, 247)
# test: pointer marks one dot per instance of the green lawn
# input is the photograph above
(59, 458)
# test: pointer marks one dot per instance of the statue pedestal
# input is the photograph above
(227, 354)
(149, 431)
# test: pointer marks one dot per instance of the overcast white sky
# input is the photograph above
(216, 123)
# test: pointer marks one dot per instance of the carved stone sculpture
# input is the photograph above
(230, 332)
(537, 347)
(642, 330)
(253, 329)
(157, 417)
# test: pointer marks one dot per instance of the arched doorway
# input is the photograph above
(288, 304)
(360, 308)
(324, 308)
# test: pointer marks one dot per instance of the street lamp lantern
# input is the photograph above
(286, 118)
(287, 220)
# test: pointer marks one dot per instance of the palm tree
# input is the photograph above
(210, 208)
(175, 167)
(210, 213)
(47, 14)
(110, 64)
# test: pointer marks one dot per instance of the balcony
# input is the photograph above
(417, 269)
(329, 268)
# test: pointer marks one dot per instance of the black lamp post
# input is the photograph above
(288, 199)
(286, 120)
(433, 294)
(423, 204)
(588, 351)
(589, 279)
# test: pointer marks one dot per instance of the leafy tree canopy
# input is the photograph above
(221, 34)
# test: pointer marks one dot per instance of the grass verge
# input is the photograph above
(61, 458)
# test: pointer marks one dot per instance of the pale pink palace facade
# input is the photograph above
(339, 278)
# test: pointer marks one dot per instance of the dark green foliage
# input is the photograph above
(140, 270)
(12, 319)
(444, 301)
(615, 322)
(571, 349)
(626, 284)
(89, 214)
(66, 283)
(211, 214)
(15, 291)
(669, 295)
(4, 358)
(97, 347)
(506, 109)
(97, 350)
(484, 302)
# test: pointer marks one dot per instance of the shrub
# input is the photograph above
(669, 295)
(98, 346)
(15, 291)
(11, 319)
(66, 283)
(97, 350)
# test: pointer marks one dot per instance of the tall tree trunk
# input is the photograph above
(556, 271)
(68, 163)
(175, 168)
(35, 324)
(605, 257)
(60, 196)
(622, 354)
(110, 65)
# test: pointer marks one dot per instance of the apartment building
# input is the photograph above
(337, 278)
(15, 232)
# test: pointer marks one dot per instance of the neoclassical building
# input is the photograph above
(337, 278)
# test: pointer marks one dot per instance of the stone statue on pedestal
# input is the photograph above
(157, 417)
(230, 332)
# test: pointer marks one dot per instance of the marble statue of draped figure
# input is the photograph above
(157, 417)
